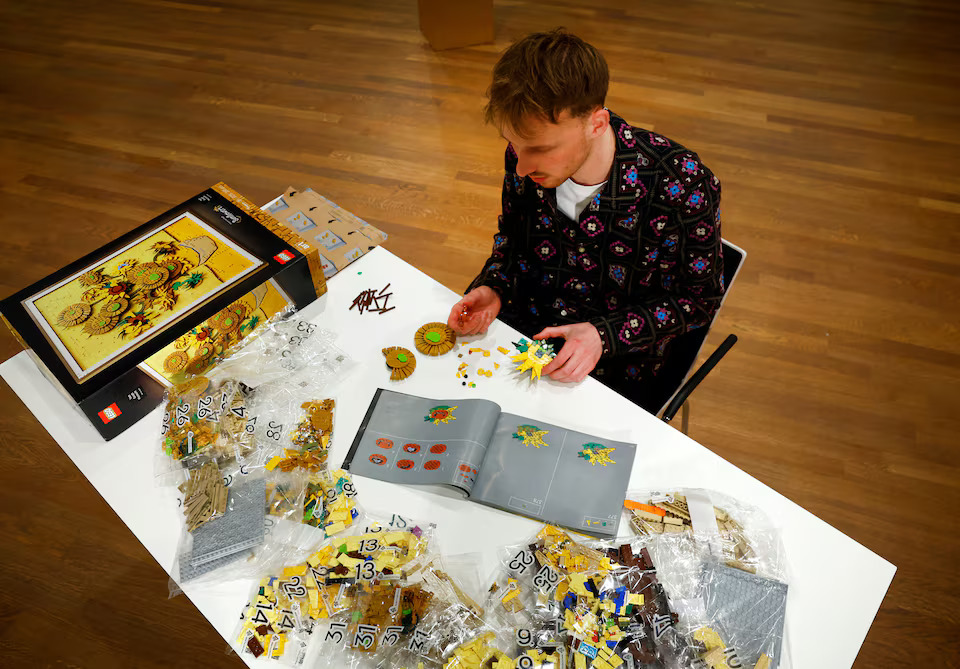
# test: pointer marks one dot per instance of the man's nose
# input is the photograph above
(524, 166)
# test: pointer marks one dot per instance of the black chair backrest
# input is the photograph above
(683, 351)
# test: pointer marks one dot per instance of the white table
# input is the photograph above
(837, 584)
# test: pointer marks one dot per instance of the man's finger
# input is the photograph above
(472, 323)
(547, 333)
(580, 373)
(565, 352)
(454, 320)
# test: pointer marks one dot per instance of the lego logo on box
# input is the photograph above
(283, 257)
(109, 413)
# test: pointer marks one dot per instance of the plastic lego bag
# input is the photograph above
(271, 624)
(328, 581)
(223, 525)
(294, 429)
(743, 618)
(448, 624)
(724, 566)
(290, 350)
(378, 615)
(303, 510)
(521, 594)
(730, 531)
(203, 421)
(588, 604)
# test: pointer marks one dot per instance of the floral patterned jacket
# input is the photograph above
(643, 263)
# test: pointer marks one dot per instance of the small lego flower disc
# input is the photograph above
(435, 339)
(401, 362)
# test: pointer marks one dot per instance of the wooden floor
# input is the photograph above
(833, 125)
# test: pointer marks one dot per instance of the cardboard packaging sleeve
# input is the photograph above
(338, 236)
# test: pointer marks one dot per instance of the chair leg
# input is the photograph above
(685, 417)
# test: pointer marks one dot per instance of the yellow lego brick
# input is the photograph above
(394, 537)
(615, 661)
(298, 570)
(333, 528)
(349, 562)
(579, 661)
(599, 663)
(709, 638)
(353, 543)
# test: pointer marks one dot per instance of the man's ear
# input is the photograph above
(597, 121)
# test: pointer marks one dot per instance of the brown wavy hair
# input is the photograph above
(543, 75)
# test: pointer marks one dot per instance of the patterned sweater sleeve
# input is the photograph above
(686, 289)
(496, 272)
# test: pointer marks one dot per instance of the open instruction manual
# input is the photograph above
(513, 463)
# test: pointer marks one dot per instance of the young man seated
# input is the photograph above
(609, 237)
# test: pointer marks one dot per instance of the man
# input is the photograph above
(609, 236)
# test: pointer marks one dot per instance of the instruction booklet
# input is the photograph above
(513, 463)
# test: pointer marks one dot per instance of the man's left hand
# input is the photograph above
(579, 354)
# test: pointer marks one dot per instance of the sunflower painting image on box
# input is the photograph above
(195, 351)
(95, 316)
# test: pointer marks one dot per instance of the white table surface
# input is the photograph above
(836, 585)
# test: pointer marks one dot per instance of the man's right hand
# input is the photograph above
(475, 312)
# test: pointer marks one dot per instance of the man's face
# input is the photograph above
(550, 152)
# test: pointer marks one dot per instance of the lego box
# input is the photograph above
(114, 329)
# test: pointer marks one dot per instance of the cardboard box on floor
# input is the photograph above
(449, 25)
(115, 328)
(334, 233)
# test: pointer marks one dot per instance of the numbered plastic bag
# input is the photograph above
(521, 594)
(292, 351)
(203, 422)
(271, 625)
(326, 582)
(449, 622)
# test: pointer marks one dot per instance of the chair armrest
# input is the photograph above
(671, 410)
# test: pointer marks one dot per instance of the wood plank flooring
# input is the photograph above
(833, 125)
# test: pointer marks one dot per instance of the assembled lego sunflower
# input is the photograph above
(435, 339)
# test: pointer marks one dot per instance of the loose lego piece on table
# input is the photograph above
(533, 357)
(401, 362)
(371, 300)
(435, 339)
(204, 494)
